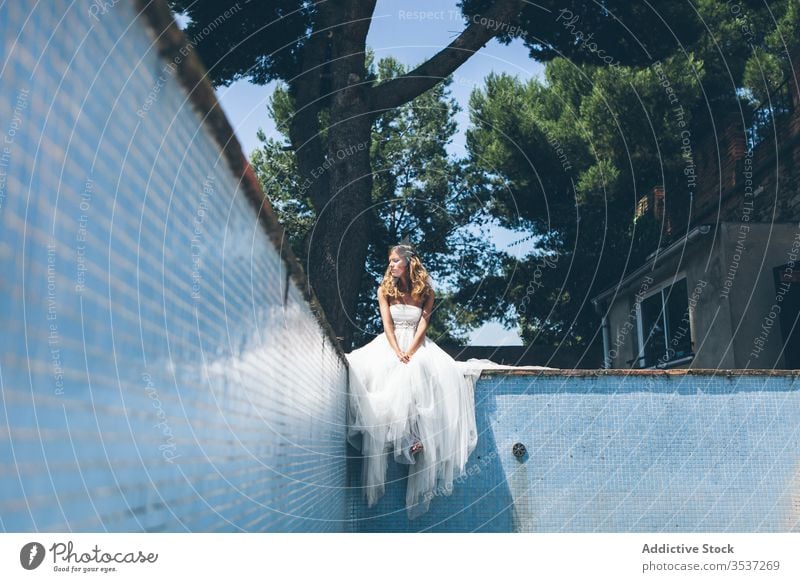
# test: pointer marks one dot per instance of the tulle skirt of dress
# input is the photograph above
(392, 404)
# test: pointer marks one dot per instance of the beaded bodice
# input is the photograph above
(405, 316)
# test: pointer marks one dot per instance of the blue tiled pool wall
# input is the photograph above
(620, 454)
(155, 374)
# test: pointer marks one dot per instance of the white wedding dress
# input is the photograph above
(392, 404)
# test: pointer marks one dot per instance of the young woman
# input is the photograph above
(408, 397)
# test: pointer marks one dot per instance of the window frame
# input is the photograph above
(659, 288)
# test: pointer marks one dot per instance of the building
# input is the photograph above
(726, 294)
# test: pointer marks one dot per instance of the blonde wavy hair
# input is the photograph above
(417, 274)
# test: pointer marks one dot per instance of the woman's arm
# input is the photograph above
(427, 309)
(388, 324)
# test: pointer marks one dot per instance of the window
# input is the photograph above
(664, 331)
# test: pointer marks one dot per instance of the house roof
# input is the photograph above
(652, 258)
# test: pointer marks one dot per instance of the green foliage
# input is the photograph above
(598, 33)
(769, 65)
(248, 40)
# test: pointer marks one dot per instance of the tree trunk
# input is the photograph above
(338, 171)
(338, 245)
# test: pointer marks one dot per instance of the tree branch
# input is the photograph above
(403, 89)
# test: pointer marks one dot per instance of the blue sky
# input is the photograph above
(411, 32)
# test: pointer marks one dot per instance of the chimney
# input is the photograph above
(654, 204)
